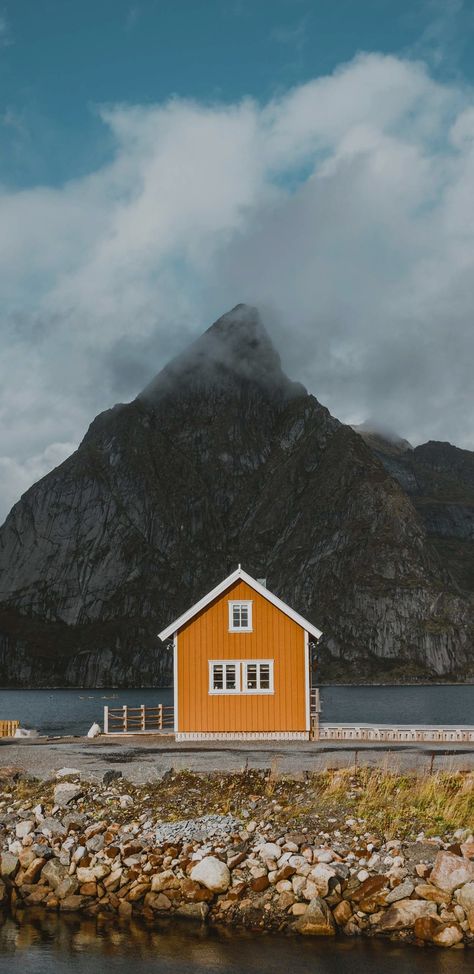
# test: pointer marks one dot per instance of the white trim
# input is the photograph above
(249, 604)
(244, 736)
(307, 682)
(224, 662)
(237, 575)
(175, 681)
(248, 662)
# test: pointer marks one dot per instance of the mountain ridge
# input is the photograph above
(168, 493)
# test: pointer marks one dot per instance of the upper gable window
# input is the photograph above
(240, 617)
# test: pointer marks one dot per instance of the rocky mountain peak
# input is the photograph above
(236, 349)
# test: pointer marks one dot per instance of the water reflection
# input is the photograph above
(43, 944)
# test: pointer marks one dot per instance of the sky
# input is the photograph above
(164, 160)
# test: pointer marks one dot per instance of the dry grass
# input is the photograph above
(386, 802)
(397, 803)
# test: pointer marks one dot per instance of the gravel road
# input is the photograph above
(143, 759)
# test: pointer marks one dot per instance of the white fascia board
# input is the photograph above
(219, 589)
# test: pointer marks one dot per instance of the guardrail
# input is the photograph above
(8, 727)
(402, 733)
(137, 720)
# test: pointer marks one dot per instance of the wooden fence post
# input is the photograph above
(106, 720)
(125, 718)
(160, 716)
(142, 708)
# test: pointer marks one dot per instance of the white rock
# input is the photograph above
(94, 731)
(126, 801)
(24, 828)
(67, 773)
(269, 850)
(320, 875)
(212, 873)
(324, 855)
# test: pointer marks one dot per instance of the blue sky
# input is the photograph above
(63, 58)
(164, 160)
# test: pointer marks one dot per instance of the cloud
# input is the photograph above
(343, 208)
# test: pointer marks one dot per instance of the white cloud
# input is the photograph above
(344, 207)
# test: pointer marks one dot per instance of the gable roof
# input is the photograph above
(219, 589)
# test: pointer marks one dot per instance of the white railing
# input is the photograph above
(402, 733)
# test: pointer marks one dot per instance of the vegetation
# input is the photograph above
(389, 803)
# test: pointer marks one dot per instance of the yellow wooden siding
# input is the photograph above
(275, 637)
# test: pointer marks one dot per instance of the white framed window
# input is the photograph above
(257, 676)
(224, 676)
(240, 616)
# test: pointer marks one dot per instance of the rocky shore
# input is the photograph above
(258, 853)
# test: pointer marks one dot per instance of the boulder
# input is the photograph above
(465, 897)
(367, 889)
(269, 850)
(195, 893)
(317, 920)
(9, 865)
(428, 892)
(342, 913)
(439, 932)
(400, 892)
(67, 887)
(157, 901)
(66, 792)
(193, 911)
(404, 913)
(33, 871)
(212, 873)
(68, 773)
(164, 880)
(54, 872)
(94, 731)
(451, 871)
(24, 828)
(320, 876)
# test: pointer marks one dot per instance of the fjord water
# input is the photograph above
(71, 712)
(53, 945)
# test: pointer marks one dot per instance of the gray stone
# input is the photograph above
(54, 872)
(9, 865)
(400, 892)
(66, 792)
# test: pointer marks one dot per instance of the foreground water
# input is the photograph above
(53, 945)
(60, 712)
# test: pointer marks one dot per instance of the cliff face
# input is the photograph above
(439, 479)
(222, 459)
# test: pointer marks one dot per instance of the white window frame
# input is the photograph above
(249, 604)
(258, 662)
(224, 663)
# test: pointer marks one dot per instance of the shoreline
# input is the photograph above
(333, 683)
(249, 851)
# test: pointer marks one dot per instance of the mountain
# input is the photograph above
(223, 459)
(439, 479)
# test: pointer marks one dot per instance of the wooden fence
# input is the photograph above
(8, 727)
(136, 720)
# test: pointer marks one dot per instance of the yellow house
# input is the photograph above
(241, 665)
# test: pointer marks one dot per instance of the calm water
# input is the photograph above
(58, 946)
(59, 712)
